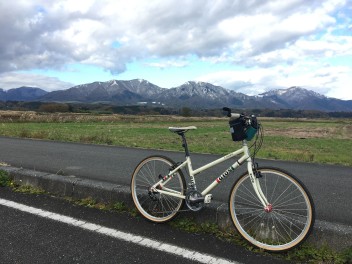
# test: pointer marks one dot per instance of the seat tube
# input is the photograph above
(190, 172)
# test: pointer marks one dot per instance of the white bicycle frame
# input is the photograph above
(160, 185)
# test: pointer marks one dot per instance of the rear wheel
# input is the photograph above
(153, 205)
(282, 225)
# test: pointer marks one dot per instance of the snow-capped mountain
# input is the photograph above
(190, 94)
(115, 91)
(199, 94)
(300, 98)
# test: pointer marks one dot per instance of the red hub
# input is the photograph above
(268, 208)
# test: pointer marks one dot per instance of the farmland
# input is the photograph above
(307, 140)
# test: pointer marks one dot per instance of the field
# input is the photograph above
(307, 140)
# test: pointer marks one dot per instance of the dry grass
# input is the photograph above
(31, 116)
(342, 132)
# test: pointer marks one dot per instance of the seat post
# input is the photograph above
(184, 143)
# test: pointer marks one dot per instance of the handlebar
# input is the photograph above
(248, 120)
(245, 127)
(232, 115)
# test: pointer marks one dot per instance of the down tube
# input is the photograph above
(226, 173)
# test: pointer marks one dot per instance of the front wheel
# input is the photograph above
(281, 226)
(154, 205)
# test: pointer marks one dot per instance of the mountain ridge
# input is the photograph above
(193, 94)
(23, 93)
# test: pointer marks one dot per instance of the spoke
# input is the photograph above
(248, 212)
(249, 202)
(283, 223)
(145, 199)
(145, 178)
(285, 203)
(144, 181)
(277, 231)
(272, 194)
(282, 193)
(285, 206)
(284, 227)
(253, 195)
(298, 196)
(141, 185)
(253, 219)
(283, 212)
(266, 187)
(148, 172)
(171, 202)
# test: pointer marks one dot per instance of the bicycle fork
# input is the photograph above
(256, 186)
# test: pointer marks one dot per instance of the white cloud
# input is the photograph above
(63, 32)
(168, 64)
(15, 80)
(274, 39)
(329, 80)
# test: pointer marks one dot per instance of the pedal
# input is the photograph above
(208, 198)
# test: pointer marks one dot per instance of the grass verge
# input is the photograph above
(305, 253)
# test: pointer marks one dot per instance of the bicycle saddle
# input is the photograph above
(181, 129)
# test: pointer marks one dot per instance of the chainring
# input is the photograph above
(194, 200)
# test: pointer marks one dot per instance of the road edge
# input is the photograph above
(335, 235)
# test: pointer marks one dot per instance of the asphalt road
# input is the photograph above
(30, 238)
(329, 185)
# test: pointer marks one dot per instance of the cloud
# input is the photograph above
(263, 36)
(15, 80)
(329, 80)
(168, 64)
(41, 34)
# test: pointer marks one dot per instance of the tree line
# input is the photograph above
(160, 110)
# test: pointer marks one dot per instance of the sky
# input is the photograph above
(249, 46)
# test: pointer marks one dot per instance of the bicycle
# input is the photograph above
(269, 207)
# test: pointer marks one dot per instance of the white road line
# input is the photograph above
(139, 240)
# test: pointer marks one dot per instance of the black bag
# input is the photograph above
(242, 129)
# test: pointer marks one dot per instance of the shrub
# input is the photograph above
(4, 179)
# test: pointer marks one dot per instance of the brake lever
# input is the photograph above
(228, 110)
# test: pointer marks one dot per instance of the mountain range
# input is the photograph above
(190, 94)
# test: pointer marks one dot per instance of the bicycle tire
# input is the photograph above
(155, 206)
(289, 222)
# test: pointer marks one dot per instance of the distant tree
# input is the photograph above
(186, 111)
(54, 107)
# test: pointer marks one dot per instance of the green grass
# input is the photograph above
(321, 141)
(4, 179)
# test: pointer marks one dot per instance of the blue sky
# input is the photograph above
(246, 46)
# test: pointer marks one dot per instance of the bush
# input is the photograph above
(4, 179)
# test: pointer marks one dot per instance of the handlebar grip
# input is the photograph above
(229, 114)
(235, 115)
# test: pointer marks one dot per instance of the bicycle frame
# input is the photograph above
(160, 185)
